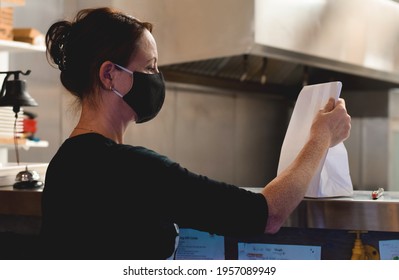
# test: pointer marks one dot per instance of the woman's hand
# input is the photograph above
(332, 122)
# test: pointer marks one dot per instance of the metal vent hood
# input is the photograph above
(357, 37)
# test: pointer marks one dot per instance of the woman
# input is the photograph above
(104, 199)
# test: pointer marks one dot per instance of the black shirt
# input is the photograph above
(104, 200)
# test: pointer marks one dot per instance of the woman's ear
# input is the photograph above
(106, 74)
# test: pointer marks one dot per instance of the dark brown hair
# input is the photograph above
(79, 47)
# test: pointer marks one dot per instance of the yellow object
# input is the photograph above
(28, 35)
(363, 252)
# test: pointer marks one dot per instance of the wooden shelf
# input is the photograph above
(15, 46)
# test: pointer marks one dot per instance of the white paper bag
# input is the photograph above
(332, 177)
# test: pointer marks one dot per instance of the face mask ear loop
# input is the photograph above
(116, 92)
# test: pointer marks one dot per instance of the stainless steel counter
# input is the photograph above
(357, 212)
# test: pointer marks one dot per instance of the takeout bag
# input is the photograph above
(332, 178)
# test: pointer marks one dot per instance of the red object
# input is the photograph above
(378, 193)
(30, 125)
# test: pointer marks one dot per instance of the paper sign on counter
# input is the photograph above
(254, 251)
(389, 249)
(199, 245)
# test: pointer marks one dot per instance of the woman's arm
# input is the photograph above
(330, 126)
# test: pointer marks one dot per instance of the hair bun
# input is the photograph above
(56, 43)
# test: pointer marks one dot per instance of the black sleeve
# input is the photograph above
(201, 203)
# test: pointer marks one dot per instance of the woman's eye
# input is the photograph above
(152, 69)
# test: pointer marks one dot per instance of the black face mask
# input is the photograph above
(146, 96)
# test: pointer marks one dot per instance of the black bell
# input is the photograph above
(13, 92)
